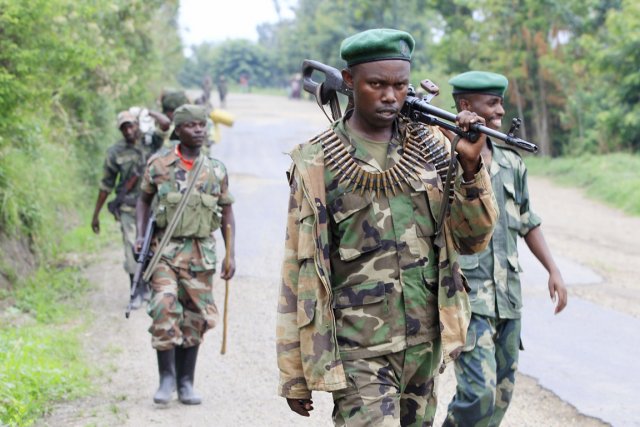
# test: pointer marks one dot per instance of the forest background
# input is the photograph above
(68, 66)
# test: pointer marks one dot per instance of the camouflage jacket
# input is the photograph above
(165, 172)
(494, 274)
(308, 353)
(124, 160)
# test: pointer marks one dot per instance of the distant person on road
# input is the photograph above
(123, 165)
(182, 306)
(486, 369)
(223, 89)
(371, 295)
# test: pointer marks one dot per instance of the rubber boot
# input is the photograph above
(185, 367)
(167, 371)
(136, 300)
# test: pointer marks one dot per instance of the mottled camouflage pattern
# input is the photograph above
(122, 161)
(181, 306)
(128, 227)
(485, 373)
(192, 254)
(494, 274)
(307, 342)
(488, 368)
(391, 390)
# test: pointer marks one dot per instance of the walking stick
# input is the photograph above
(227, 241)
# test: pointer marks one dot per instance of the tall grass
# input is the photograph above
(613, 178)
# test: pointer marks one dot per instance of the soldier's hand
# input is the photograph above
(301, 406)
(228, 270)
(557, 292)
(138, 245)
(469, 152)
(95, 225)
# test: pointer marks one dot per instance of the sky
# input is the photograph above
(218, 20)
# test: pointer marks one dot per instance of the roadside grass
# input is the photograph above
(41, 323)
(613, 178)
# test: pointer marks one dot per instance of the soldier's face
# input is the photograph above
(192, 134)
(489, 107)
(129, 132)
(379, 90)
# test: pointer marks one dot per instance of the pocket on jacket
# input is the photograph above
(306, 237)
(306, 312)
(356, 225)
(362, 315)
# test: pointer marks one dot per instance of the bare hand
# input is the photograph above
(301, 406)
(138, 245)
(228, 271)
(558, 291)
(469, 151)
(95, 225)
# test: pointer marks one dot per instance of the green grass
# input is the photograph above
(613, 179)
(41, 359)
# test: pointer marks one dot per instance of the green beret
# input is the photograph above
(479, 82)
(189, 113)
(377, 45)
(174, 99)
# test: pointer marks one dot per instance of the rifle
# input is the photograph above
(142, 261)
(415, 108)
(114, 205)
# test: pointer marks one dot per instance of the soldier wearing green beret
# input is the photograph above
(372, 296)
(182, 306)
(123, 164)
(485, 370)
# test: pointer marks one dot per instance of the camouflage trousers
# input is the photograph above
(128, 227)
(396, 389)
(485, 372)
(181, 306)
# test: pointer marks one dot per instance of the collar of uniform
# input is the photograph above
(362, 155)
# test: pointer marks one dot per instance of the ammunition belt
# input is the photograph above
(420, 148)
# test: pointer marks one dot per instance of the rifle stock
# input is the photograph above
(142, 261)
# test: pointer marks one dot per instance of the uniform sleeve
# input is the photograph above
(148, 185)
(109, 173)
(474, 212)
(292, 383)
(528, 218)
(226, 198)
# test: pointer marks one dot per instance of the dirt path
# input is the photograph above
(239, 389)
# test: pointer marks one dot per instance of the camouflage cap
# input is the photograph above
(173, 99)
(189, 113)
(479, 82)
(377, 45)
(125, 116)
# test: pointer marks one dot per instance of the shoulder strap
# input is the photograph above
(174, 221)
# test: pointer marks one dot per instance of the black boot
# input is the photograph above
(167, 370)
(185, 367)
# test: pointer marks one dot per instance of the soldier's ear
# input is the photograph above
(347, 77)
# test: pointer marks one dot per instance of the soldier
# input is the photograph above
(485, 370)
(370, 297)
(170, 100)
(123, 165)
(181, 305)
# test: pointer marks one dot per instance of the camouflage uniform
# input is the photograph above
(182, 306)
(367, 301)
(124, 160)
(486, 369)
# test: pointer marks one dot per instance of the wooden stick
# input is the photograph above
(227, 241)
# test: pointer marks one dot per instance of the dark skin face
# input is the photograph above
(379, 90)
(129, 132)
(489, 107)
(192, 135)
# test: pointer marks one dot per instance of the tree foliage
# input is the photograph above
(66, 67)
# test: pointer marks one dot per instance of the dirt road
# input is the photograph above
(239, 388)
